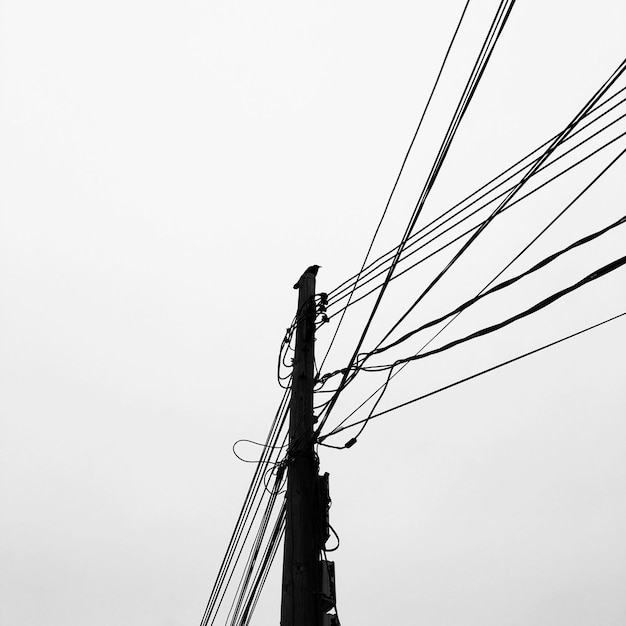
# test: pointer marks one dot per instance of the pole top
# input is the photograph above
(312, 269)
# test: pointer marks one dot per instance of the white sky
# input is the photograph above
(168, 169)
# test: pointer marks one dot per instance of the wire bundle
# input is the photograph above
(440, 226)
(488, 46)
(526, 169)
(260, 504)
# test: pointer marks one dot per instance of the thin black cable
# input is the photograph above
(417, 237)
(462, 106)
(271, 550)
(542, 304)
(236, 561)
(260, 577)
(236, 542)
(468, 378)
(476, 226)
(333, 295)
(256, 443)
(621, 68)
(541, 233)
(393, 374)
(336, 537)
(250, 579)
(395, 184)
(383, 390)
(485, 291)
(327, 376)
(514, 279)
(252, 563)
(480, 64)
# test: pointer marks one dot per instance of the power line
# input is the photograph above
(553, 146)
(261, 577)
(468, 378)
(248, 513)
(480, 64)
(511, 281)
(335, 294)
(538, 266)
(393, 372)
(542, 304)
(395, 184)
(255, 569)
(420, 235)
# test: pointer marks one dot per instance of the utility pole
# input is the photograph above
(300, 592)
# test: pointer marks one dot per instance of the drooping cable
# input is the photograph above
(553, 146)
(514, 279)
(476, 74)
(538, 162)
(255, 568)
(542, 304)
(261, 576)
(473, 376)
(393, 372)
(340, 292)
(377, 272)
(248, 513)
(486, 291)
(397, 180)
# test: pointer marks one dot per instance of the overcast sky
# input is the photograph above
(168, 169)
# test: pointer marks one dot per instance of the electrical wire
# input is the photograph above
(511, 205)
(336, 537)
(248, 514)
(256, 443)
(484, 292)
(542, 304)
(393, 373)
(511, 281)
(268, 559)
(255, 568)
(423, 234)
(618, 72)
(336, 294)
(476, 74)
(353, 370)
(468, 378)
(397, 180)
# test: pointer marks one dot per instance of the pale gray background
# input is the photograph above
(168, 169)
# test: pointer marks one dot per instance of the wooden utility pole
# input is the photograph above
(300, 601)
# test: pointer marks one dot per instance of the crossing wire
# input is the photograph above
(351, 371)
(495, 30)
(248, 514)
(255, 570)
(268, 559)
(507, 283)
(542, 304)
(395, 184)
(552, 147)
(376, 269)
(455, 314)
(476, 375)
